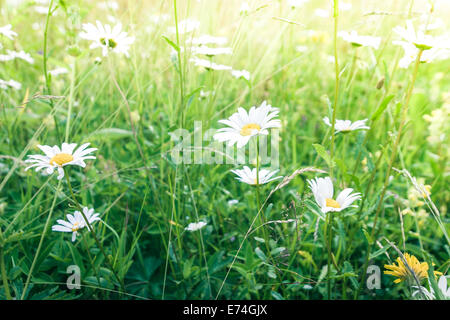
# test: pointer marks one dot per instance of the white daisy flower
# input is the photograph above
(41, 9)
(108, 5)
(207, 39)
(7, 32)
(194, 226)
(205, 94)
(209, 65)
(249, 176)
(11, 55)
(107, 38)
(76, 222)
(360, 41)
(186, 26)
(345, 126)
(159, 18)
(322, 189)
(411, 52)
(10, 84)
(345, 6)
(322, 13)
(56, 158)
(241, 74)
(207, 51)
(58, 71)
(243, 125)
(418, 38)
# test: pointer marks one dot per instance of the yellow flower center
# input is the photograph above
(332, 203)
(61, 158)
(249, 128)
(75, 227)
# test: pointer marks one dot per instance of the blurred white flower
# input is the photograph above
(245, 8)
(411, 52)
(345, 6)
(207, 39)
(57, 158)
(186, 26)
(209, 65)
(249, 176)
(76, 222)
(433, 24)
(346, 125)
(10, 84)
(108, 5)
(205, 94)
(7, 32)
(11, 55)
(194, 226)
(417, 38)
(241, 74)
(360, 41)
(159, 18)
(207, 51)
(58, 71)
(323, 190)
(322, 13)
(242, 125)
(107, 38)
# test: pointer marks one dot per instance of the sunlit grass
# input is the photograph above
(173, 230)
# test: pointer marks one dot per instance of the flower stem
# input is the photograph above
(336, 87)
(180, 69)
(333, 124)
(4, 276)
(47, 79)
(69, 109)
(258, 198)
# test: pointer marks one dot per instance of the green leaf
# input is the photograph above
(172, 44)
(322, 152)
(382, 107)
(260, 254)
(379, 252)
(367, 235)
(276, 295)
(259, 239)
(271, 273)
(187, 269)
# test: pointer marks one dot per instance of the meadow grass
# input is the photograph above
(272, 241)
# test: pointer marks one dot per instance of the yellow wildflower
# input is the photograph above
(402, 272)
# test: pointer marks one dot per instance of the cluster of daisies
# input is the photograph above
(434, 48)
(243, 126)
(6, 32)
(55, 159)
(206, 47)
